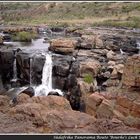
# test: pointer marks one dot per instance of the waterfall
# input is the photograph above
(46, 85)
(31, 71)
(15, 70)
(138, 46)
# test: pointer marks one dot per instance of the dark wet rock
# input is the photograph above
(6, 62)
(53, 93)
(61, 68)
(61, 65)
(59, 82)
(6, 37)
(29, 91)
(37, 67)
(86, 46)
(1, 40)
(75, 68)
(71, 81)
(57, 29)
(23, 67)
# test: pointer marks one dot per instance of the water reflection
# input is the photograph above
(36, 44)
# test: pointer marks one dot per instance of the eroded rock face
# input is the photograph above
(62, 45)
(131, 75)
(127, 110)
(89, 66)
(1, 40)
(6, 62)
(99, 107)
(23, 67)
(37, 68)
(30, 70)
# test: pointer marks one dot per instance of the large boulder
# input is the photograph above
(53, 113)
(99, 107)
(89, 66)
(127, 110)
(62, 45)
(131, 75)
(85, 87)
(92, 103)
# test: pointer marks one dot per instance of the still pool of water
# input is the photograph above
(37, 44)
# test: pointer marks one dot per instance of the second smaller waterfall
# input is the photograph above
(46, 85)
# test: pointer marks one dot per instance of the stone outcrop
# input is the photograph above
(24, 68)
(127, 110)
(62, 45)
(6, 62)
(89, 66)
(99, 107)
(1, 40)
(53, 114)
(131, 76)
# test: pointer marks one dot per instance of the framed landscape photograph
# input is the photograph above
(70, 69)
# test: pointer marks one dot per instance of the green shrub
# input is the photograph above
(24, 36)
(88, 78)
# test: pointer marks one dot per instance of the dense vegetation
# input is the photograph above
(94, 13)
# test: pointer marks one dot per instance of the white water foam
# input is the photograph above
(46, 86)
(138, 46)
(14, 71)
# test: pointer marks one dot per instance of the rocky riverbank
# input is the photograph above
(98, 71)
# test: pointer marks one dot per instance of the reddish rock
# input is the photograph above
(98, 42)
(92, 103)
(122, 110)
(124, 102)
(4, 100)
(99, 107)
(85, 87)
(63, 45)
(105, 110)
(131, 75)
(89, 66)
(53, 120)
(49, 102)
(135, 109)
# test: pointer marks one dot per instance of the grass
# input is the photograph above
(88, 78)
(132, 22)
(118, 14)
(24, 36)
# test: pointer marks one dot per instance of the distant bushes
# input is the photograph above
(24, 36)
(129, 22)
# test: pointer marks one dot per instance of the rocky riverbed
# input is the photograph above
(97, 69)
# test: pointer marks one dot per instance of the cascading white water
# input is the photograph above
(46, 85)
(138, 46)
(31, 71)
(15, 70)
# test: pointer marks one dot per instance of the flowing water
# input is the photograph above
(36, 47)
(46, 85)
(15, 70)
(138, 46)
(31, 71)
